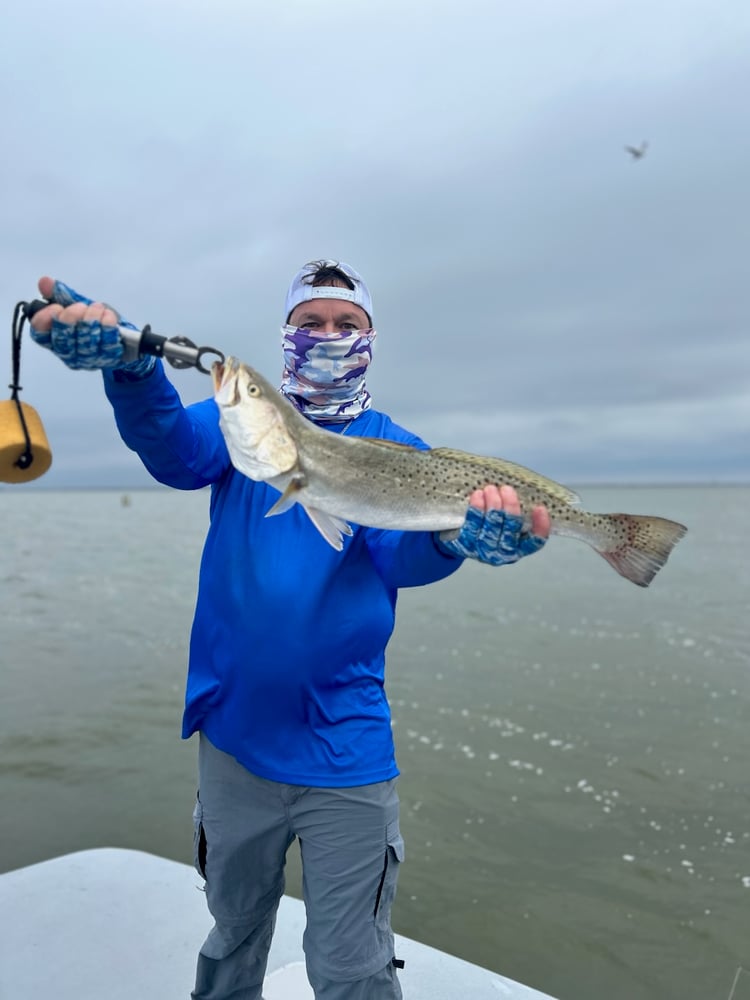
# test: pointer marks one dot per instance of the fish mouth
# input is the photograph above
(224, 377)
(217, 374)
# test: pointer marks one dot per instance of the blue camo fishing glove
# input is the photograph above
(492, 536)
(89, 346)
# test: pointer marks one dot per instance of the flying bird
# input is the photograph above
(637, 152)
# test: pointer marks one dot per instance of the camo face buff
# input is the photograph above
(324, 374)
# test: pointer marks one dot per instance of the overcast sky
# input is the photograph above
(538, 294)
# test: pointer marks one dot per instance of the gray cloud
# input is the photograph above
(538, 295)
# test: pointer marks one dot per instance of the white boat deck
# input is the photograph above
(119, 924)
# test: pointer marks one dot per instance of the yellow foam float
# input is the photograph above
(25, 453)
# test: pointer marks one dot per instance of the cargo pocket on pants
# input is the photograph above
(394, 855)
(199, 839)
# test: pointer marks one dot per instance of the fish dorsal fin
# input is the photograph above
(395, 445)
(501, 468)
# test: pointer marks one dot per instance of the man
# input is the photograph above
(286, 674)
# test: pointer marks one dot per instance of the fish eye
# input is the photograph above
(253, 389)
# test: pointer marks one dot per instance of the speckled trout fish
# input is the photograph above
(381, 484)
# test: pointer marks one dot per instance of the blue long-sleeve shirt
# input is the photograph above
(287, 649)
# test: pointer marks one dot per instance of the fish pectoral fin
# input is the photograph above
(332, 528)
(289, 497)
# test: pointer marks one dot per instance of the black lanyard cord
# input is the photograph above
(19, 318)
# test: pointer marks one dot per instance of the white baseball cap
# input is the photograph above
(301, 291)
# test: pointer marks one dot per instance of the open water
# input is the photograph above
(574, 750)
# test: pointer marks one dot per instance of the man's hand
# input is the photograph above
(82, 333)
(493, 531)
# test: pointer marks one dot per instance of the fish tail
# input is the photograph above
(637, 546)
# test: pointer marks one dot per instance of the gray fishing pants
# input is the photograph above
(351, 850)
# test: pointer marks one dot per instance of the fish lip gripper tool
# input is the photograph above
(180, 352)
